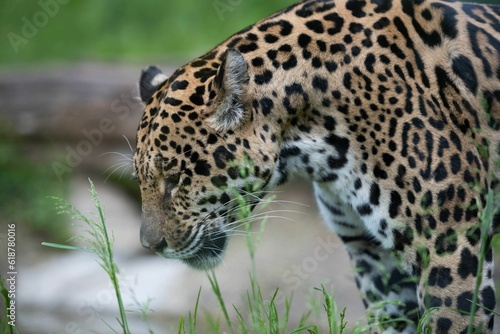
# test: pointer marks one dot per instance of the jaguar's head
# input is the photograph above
(198, 145)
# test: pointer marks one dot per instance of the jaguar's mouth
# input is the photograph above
(210, 252)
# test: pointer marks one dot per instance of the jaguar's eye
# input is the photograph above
(171, 183)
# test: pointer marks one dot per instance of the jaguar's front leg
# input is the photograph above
(447, 269)
(389, 293)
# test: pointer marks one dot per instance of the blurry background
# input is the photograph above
(68, 111)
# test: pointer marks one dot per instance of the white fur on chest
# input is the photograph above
(340, 208)
(347, 200)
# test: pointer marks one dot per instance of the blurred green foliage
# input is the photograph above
(125, 30)
(122, 30)
(26, 182)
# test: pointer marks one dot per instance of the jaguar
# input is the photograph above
(389, 107)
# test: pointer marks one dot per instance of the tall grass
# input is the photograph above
(99, 242)
(263, 316)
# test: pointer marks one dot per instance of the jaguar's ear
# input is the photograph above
(151, 79)
(230, 81)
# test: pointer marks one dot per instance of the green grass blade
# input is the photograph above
(195, 315)
(216, 289)
(304, 318)
(273, 316)
(108, 258)
(68, 247)
(486, 219)
(329, 309)
(181, 328)
(425, 319)
(286, 315)
(310, 328)
(243, 324)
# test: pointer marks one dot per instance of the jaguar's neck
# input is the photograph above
(313, 133)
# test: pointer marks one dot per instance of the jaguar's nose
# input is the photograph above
(151, 239)
(158, 248)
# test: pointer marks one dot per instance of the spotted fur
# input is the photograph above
(389, 107)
